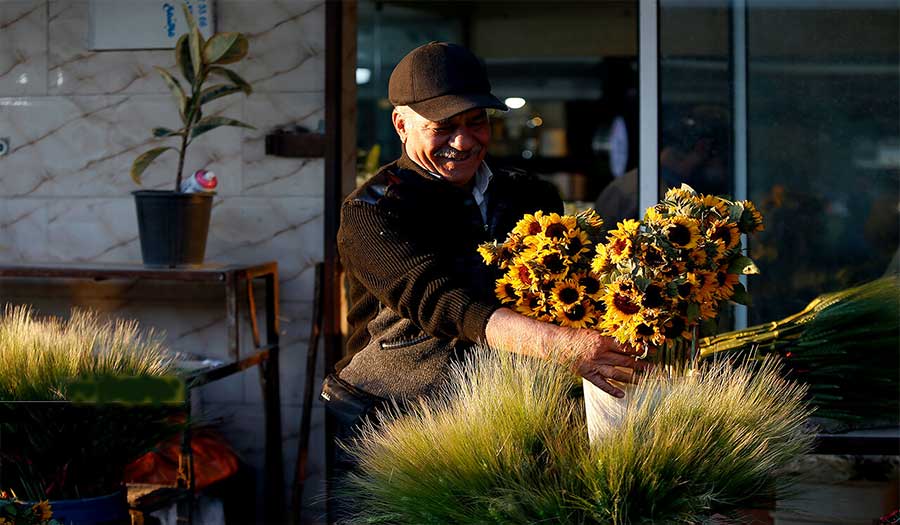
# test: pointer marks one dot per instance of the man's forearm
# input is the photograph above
(512, 332)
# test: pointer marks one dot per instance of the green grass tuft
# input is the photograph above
(506, 442)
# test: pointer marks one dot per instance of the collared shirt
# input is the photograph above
(479, 190)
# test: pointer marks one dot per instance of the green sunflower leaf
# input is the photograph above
(743, 265)
(741, 296)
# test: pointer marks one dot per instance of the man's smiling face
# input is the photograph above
(452, 148)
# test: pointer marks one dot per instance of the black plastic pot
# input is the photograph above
(173, 226)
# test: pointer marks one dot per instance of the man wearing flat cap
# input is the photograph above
(420, 295)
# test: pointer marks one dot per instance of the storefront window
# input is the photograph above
(820, 88)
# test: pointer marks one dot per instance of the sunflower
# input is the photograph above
(578, 315)
(720, 208)
(566, 293)
(621, 240)
(41, 511)
(506, 290)
(558, 227)
(683, 195)
(590, 284)
(601, 263)
(623, 303)
(681, 231)
(698, 255)
(724, 231)
(725, 283)
(490, 252)
(529, 225)
(707, 284)
(520, 276)
(654, 296)
(648, 332)
(751, 220)
(687, 287)
(578, 243)
(589, 221)
(656, 214)
(532, 305)
(553, 262)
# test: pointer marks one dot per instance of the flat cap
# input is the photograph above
(439, 80)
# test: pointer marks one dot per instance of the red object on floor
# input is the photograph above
(214, 460)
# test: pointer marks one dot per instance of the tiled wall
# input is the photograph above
(76, 119)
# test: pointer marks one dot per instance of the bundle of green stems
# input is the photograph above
(843, 345)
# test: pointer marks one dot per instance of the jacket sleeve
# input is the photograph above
(407, 276)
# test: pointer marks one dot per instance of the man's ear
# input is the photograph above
(399, 125)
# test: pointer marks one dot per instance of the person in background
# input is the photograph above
(419, 294)
(694, 151)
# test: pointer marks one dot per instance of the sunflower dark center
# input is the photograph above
(534, 228)
(722, 233)
(575, 245)
(510, 291)
(654, 258)
(653, 297)
(590, 285)
(679, 234)
(619, 246)
(576, 313)
(644, 329)
(676, 328)
(684, 289)
(568, 295)
(625, 305)
(523, 276)
(721, 277)
(556, 231)
(553, 262)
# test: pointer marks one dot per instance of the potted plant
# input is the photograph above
(74, 454)
(174, 224)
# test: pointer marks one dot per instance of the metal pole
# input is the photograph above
(648, 79)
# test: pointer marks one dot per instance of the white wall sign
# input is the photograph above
(145, 24)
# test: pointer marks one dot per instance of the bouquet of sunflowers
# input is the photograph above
(649, 283)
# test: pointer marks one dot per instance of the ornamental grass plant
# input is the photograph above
(51, 448)
(505, 441)
(844, 345)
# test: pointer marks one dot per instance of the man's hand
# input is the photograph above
(601, 359)
(594, 357)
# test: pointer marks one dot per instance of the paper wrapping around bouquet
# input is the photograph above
(604, 412)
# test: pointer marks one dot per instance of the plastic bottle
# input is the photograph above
(201, 181)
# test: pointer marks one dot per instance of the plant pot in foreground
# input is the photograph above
(173, 226)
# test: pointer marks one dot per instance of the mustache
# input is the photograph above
(451, 153)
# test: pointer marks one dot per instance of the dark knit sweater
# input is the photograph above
(419, 292)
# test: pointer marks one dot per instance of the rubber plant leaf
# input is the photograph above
(225, 48)
(196, 41)
(177, 91)
(183, 58)
(210, 123)
(165, 132)
(233, 77)
(140, 164)
(218, 91)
